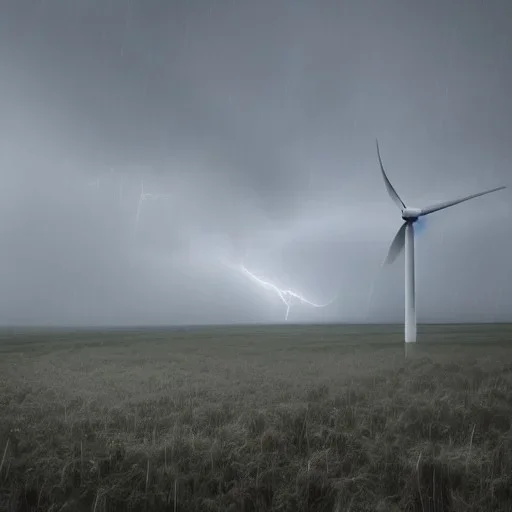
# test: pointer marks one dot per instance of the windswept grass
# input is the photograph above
(292, 419)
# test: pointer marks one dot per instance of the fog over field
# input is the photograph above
(253, 126)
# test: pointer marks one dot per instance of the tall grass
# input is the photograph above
(276, 420)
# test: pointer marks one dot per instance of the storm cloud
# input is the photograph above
(253, 126)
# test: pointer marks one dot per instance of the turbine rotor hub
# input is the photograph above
(411, 214)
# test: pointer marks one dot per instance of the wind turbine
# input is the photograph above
(405, 238)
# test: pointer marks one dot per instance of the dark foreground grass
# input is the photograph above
(252, 419)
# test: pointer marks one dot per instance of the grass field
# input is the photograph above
(285, 418)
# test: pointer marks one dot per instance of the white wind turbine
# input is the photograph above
(405, 238)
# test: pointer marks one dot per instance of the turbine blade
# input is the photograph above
(391, 190)
(397, 245)
(447, 204)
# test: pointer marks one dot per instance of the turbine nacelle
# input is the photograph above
(411, 214)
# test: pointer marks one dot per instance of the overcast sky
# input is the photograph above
(252, 124)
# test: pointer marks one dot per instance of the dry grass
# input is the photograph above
(253, 419)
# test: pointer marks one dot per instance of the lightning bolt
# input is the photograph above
(145, 196)
(288, 297)
(113, 174)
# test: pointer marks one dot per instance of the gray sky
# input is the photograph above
(255, 122)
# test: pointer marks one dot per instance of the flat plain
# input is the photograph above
(255, 418)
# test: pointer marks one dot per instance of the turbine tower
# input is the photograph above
(405, 238)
